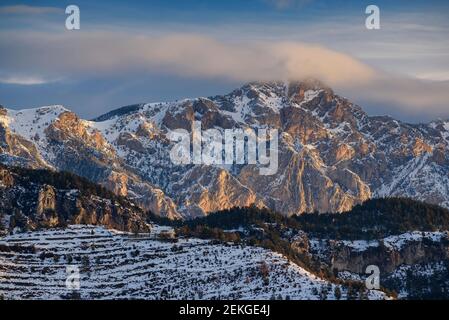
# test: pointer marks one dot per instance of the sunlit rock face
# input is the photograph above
(332, 155)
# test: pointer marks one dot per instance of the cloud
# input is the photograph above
(436, 76)
(25, 80)
(404, 97)
(25, 9)
(114, 54)
(180, 54)
(283, 4)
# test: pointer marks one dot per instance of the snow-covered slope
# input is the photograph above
(115, 265)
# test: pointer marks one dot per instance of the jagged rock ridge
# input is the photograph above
(332, 155)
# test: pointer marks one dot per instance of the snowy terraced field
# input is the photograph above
(114, 265)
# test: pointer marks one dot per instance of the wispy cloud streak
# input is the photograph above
(29, 10)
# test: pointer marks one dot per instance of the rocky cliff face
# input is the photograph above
(332, 155)
(414, 264)
(32, 200)
(388, 254)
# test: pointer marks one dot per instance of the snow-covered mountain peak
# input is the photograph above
(31, 123)
(32, 115)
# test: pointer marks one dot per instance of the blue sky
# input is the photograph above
(142, 51)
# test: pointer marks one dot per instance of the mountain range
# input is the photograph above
(105, 195)
(332, 155)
